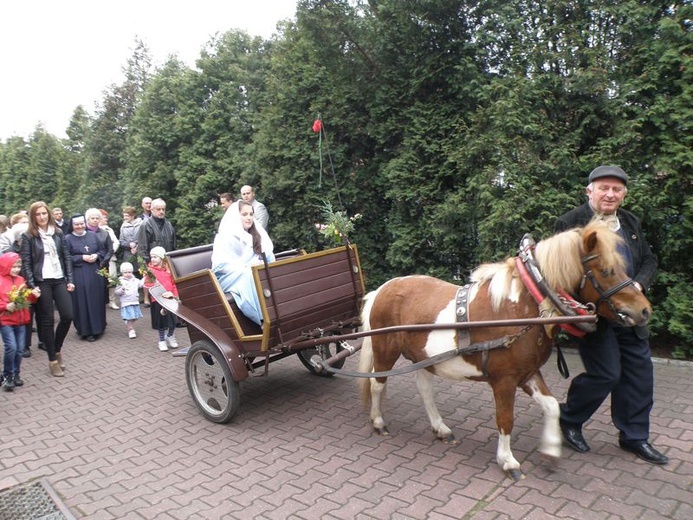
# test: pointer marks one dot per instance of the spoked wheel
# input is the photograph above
(209, 379)
(324, 351)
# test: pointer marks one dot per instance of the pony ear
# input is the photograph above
(590, 241)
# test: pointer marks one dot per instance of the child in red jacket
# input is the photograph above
(164, 322)
(15, 298)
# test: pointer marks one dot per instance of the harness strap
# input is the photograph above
(531, 276)
(462, 315)
(484, 346)
(464, 336)
(561, 363)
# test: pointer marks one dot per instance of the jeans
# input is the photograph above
(54, 290)
(13, 339)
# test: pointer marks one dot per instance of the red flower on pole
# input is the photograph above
(317, 126)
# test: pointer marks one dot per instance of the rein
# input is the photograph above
(484, 346)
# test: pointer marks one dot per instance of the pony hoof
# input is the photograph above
(450, 439)
(381, 431)
(550, 461)
(515, 474)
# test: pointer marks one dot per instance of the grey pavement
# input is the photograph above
(120, 438)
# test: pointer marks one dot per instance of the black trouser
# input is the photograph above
(33, 311)
(619, 362)
(54, 290)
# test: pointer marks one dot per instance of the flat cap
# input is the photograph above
(608, 171)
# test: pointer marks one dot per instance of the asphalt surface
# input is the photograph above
(119, 437)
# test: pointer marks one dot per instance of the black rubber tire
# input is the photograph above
(210, 383)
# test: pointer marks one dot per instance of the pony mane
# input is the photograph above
(502, 280)
(560, 256)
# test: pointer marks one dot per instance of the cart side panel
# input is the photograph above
(200, 291)
(310, 292)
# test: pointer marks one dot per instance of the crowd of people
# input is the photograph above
(76, 267)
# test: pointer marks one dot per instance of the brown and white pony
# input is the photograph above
(584, 261)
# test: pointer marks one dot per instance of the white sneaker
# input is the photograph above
(132, 334)
(162, 346)
(172, 341)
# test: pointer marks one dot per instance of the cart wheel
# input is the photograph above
(324, 351)
(209, 379)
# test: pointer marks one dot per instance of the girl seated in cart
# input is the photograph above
(238, 246)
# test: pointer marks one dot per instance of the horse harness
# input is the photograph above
(604, 296)
(464, 335)
(550, 302)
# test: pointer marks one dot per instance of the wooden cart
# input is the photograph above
(303, 297)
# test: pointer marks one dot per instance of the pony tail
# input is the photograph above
(366, 353)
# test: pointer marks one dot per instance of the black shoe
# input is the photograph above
(18, 381)
(645, 451)
(8, 384)
(91, 339)
(27, 352)
(41, 346)
(573, 437)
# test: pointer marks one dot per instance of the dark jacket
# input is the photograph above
(106, 244)
(644, 260)
(32, 258)
(155, 232)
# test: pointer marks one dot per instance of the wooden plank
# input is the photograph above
(309, 304)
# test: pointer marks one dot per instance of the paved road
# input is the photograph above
(120, 438)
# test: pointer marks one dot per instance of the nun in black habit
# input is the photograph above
(89, 296)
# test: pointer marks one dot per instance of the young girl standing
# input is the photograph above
(129, 293)
(164, 322)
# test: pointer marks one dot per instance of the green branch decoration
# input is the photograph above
(144, 270)
(337, 225)
(111, 281)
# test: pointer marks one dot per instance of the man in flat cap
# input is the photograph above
(617, 359)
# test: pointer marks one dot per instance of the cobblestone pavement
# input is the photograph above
(120, 438)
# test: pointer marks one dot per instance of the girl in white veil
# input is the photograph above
(237, 247)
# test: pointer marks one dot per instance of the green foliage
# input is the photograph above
(452, 127)
(336, 226)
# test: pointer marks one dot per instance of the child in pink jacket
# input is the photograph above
(164, 322)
